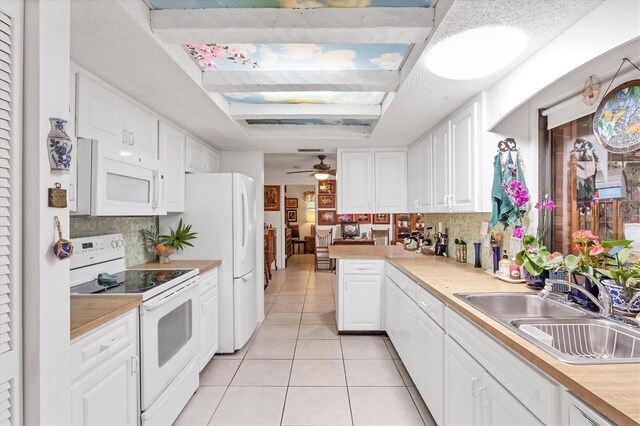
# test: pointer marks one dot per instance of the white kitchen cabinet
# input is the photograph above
(428, 376)
(442, 168)
(209, 313)
(576, 413)
(499, 407)
(213, 161)
(105, 374)
(462, 386)
(391, 310)
(390, 181)
(425, 176)
(99, 112)
(172, 152)
(142, 131)
(406, 321)
(413, 179)
(355, 180)
(362, 302)
(463, 178)
(196, 154)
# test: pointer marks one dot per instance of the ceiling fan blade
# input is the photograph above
(332, 172)
(301, 171)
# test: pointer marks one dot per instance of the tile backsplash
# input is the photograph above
(465, 226)
(129, 227)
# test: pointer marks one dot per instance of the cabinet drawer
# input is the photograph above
(100, 344)
(208, 280)
(431, 305)
(363, 266)
(528, 385)
(393, 272)
(407, 285)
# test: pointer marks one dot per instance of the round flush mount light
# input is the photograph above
(476, 53)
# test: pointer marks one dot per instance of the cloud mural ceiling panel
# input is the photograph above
(310, 122)
(288, 4)
(298, 57)
(336, 98)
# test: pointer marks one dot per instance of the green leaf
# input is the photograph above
(571, 262)
(530, 241)
(616, 243)
(532, 267)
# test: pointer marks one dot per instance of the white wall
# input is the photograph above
(297, 191)
(46, 279)
(251, 163)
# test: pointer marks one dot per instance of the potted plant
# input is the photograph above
(621, 279)
(165, 245)
(537, 261)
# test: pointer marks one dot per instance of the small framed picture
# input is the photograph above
(362, 218)
(327, 187)
(345, 218)
(326, 217)
(326, 201)
(381, 218)
(291, 203)
(292, 216)
(272, 198)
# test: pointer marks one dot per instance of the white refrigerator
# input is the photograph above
(221, 207)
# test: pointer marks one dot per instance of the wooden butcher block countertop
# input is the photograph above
(89, 312)
(203, 265)
(612, 389)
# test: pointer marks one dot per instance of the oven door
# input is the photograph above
(170, 336)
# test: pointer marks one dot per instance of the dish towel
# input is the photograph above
(503, 209)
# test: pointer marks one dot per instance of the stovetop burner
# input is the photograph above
(132, 281)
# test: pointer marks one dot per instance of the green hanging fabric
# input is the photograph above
(503, 209)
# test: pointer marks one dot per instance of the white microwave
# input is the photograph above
(115, 182)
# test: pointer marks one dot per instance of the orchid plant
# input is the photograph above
(545, 207)
(520, 197)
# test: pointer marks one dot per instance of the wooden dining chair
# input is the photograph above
(380, 236)
(324, 239)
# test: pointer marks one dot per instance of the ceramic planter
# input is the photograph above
(617, 296)
(535, 281)
(60, 146)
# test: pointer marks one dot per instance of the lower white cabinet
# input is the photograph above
(427, 374)
(360, 295)
(577, 413)
(108, 392)
(406, 318)
(209, 313)
(391, 310)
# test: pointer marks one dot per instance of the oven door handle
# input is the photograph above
(169, 297)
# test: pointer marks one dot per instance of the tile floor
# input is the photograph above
(297, 370)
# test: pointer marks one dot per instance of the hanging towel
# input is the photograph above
(503, 209)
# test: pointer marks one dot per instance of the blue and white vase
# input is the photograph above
(60, 146)
(620, 303)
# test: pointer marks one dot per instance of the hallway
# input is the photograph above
(296, 370)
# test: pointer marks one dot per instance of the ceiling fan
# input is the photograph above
(321, 171)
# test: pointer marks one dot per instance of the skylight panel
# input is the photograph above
(336, 98)
(287, 4)
(310, 122)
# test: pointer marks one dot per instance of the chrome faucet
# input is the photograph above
(603, 302)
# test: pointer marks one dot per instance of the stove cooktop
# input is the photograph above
(134, 281)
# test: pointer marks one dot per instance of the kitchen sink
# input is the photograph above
(566, 332)
(585, 340)
(509, 306)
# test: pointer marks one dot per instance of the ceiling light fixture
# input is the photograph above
(322, 176)
(476, 53)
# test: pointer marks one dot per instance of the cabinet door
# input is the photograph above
(391, 310)
(71, 131)
(213, 161)
(462, 376)
(406, 318)
(172, 152)
(390, 181)
(100, 113)
(355, 182)
(362, 302)
(428, 374)
(108, 394)
(499, 407)
(426, 176)
(142, 131)
(464, 146)
(196, 156)
(441, 168)
(209, 327)
(413, 179)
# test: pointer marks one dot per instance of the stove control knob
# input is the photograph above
(114, 243)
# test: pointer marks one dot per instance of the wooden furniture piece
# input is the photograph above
(380, 237)
(321, 256)
(269, 252)
(287, 245)
(299, 244)
(360, 242)
(310, 241)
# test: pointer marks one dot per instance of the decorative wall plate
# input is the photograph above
(616, 124)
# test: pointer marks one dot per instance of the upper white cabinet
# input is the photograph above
(103, 115)
(413, 179)
(213, 161)
(449, 165)
(172, 152)
(201, 158)
(372, 181)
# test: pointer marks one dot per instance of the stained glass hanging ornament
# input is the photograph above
(62, 249)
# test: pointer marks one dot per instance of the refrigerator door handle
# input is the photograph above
(245, 219)
(248, 277)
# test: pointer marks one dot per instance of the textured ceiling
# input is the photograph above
(109, 42)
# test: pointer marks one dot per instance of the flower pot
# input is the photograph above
(60, 146)
(579, 297)
(620, 303)
(535, 281)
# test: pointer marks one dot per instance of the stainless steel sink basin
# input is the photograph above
(584, 340)
(567, 333)
(509, 306)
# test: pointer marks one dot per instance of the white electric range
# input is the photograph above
(169, 320)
